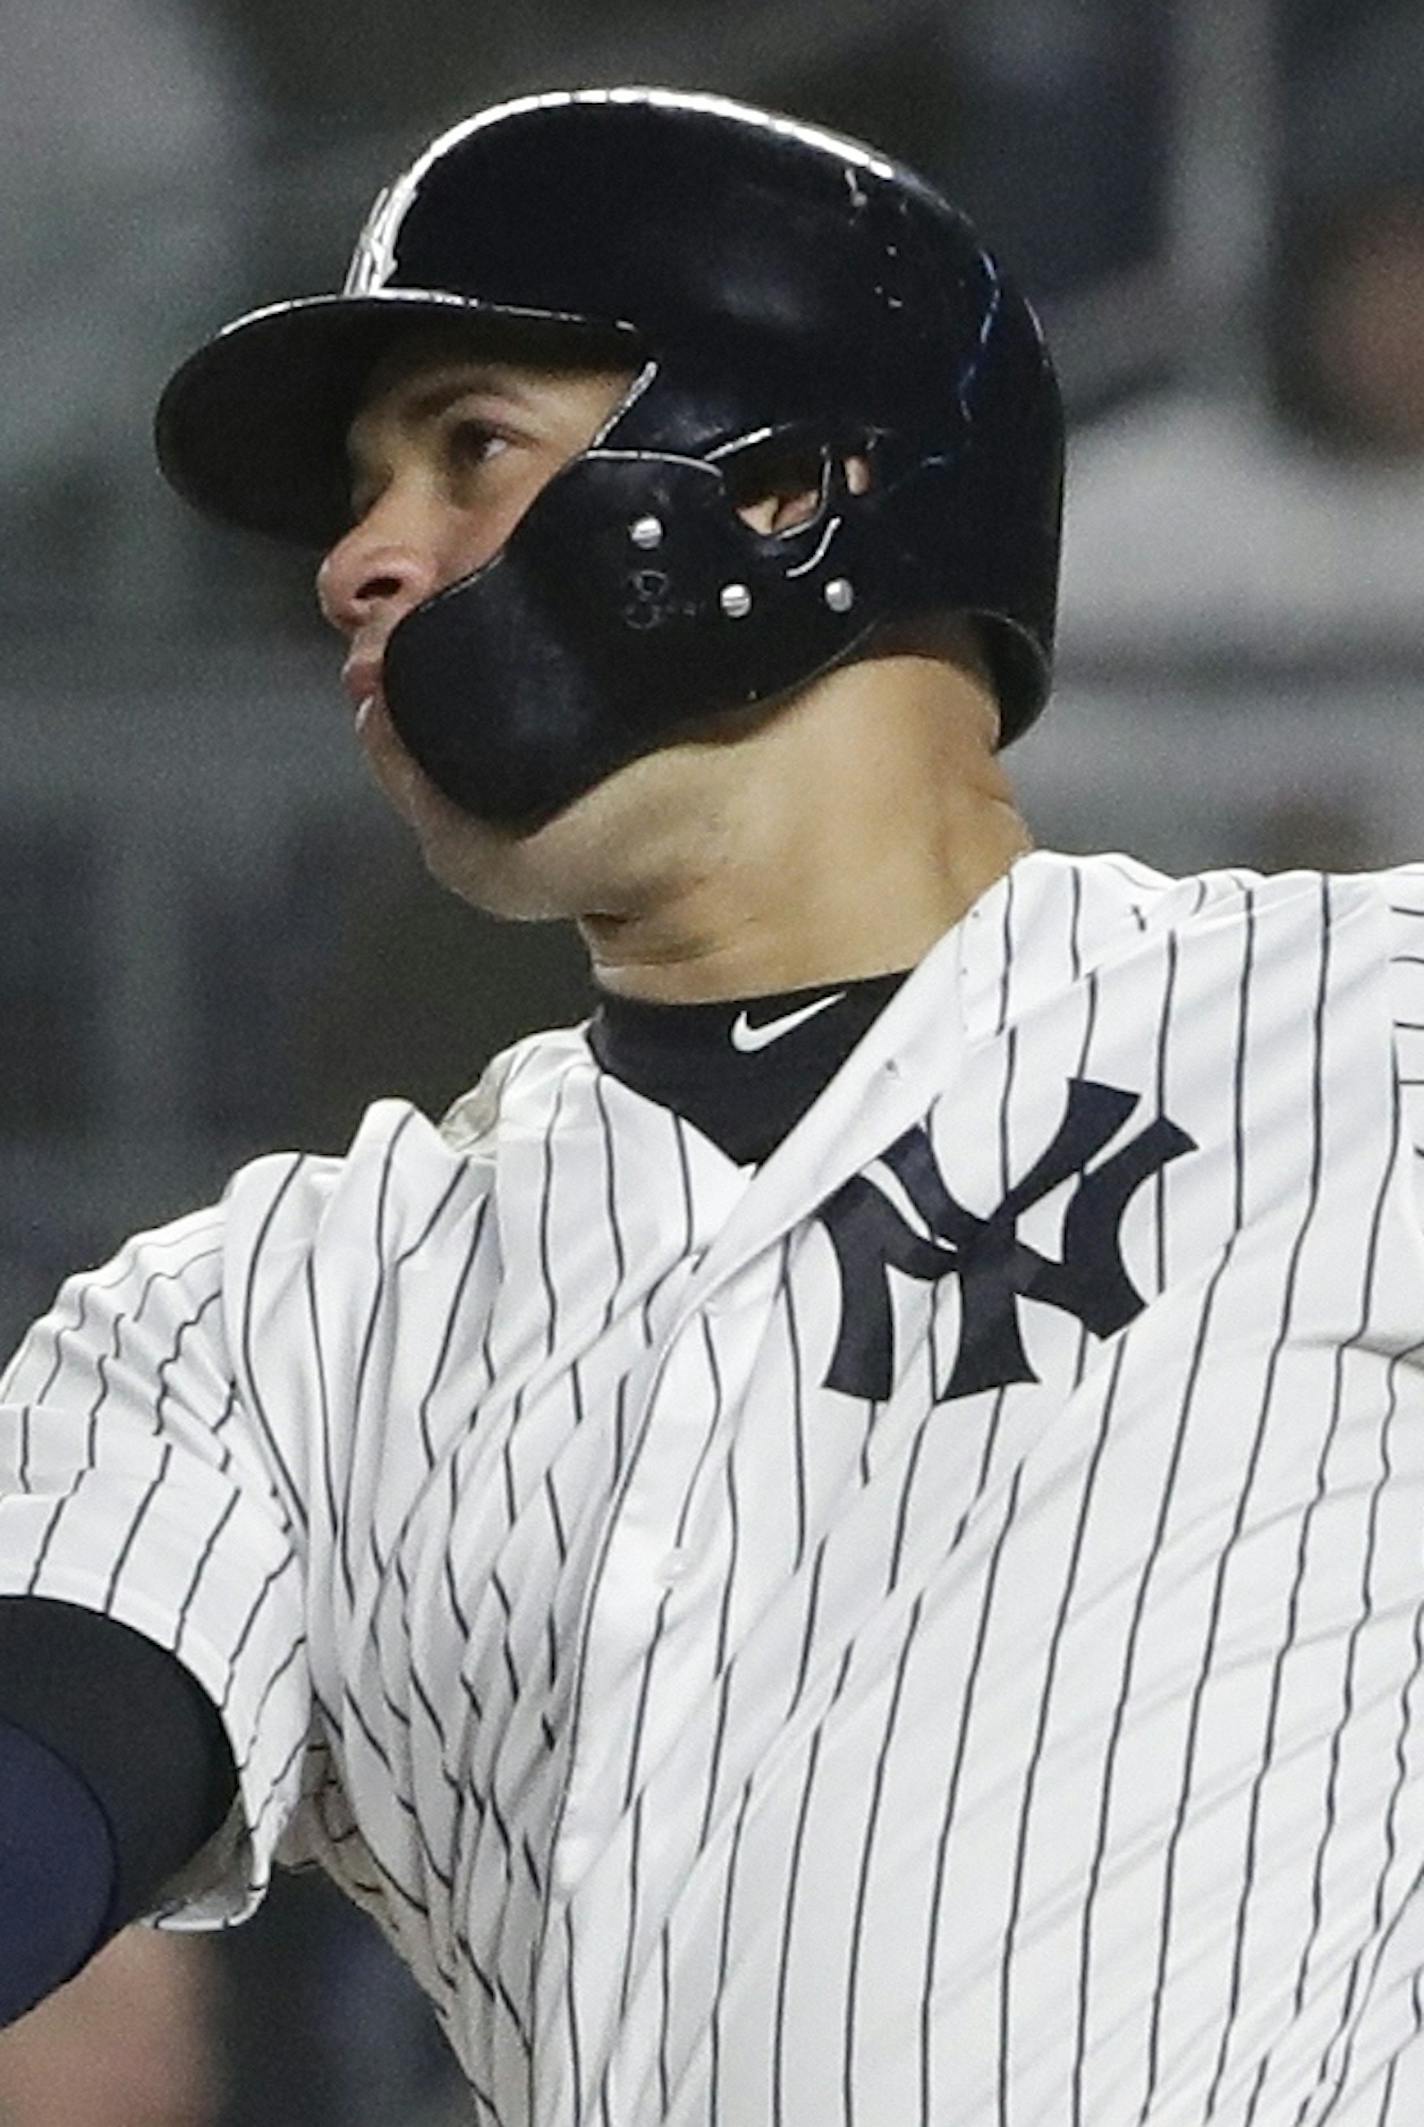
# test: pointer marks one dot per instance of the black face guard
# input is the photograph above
(630, 604)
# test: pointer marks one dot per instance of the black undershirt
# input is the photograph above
(693, 1058)
(125, 1716)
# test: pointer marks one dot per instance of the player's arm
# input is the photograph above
(152, 1616)
(114, 1773)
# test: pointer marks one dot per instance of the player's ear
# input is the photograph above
(788, 491)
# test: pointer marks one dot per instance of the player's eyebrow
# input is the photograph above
(413, 405)
(428, 402)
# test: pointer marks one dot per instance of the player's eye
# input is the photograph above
(470, 443)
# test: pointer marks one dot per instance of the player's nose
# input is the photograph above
(377, 572)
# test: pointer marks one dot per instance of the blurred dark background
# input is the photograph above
(212, 941)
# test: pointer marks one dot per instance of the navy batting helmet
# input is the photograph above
(776, 289)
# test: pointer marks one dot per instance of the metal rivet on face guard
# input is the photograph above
(839, 595)
(646, 532)
(736, 601)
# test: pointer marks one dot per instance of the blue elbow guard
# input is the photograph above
(57, 1872)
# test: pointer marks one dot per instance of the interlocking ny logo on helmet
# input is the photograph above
(772, 284)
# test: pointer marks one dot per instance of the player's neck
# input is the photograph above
(868, 829)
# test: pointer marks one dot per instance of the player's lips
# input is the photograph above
(361, 676)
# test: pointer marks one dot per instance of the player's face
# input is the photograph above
(451, 447)
(446, 456)
(448, 452)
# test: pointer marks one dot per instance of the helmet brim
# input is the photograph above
(252, 428)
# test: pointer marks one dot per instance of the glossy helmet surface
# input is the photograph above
(775, 291)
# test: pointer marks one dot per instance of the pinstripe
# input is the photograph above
(1366, 1610)
(1159, 1530)
(571, 2021)
(635, 1843)
(665, 2018)
(140, 1515)
(325, 1443)
(798, 1402)
(452, 1592)
(111, 1279)
(1391, 1840)
(723, 1670)
(68, 1496)
(244, 1634)
(610, 1203)
(1045, 1709)
(383, 1274)
(546, 1199)
(1415, 1889)
(506, 1652)
(36, 1572)
(784, 1964)
(224, 1418)
(1339, 2039)
(1228, 1550)
(189, 1323)
(709, 1436)
(1011, 1052)
(1417, 1992)
(1075, 927)
(912, 1466)
(101, 1384)
(172, 1276)
(1090, 1021)
(714, 2079)
(278, 1780)
(200, 1566)
(951, 1802)
(291, 1492)
(684, 1169)
(624, 1474)
(457, 1303)
(1164, 1025)
(862, 1889)
(1006, 957)
(808, 1639)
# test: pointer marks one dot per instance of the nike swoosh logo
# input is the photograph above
(749, 1038)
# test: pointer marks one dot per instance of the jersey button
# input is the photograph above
(673, 1567)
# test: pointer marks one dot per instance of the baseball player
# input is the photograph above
(841, 1542)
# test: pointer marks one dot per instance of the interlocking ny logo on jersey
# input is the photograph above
(996, 1270)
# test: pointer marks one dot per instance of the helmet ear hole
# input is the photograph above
(781, 484)
(778, 484)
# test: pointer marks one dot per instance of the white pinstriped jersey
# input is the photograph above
(1029, 1737)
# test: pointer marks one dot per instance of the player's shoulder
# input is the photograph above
(401, 1160)
(285, 1198)
(516, 1090)
(1099, 905)
(1058, 918)
(1114, 889)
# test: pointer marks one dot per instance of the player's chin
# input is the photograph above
(496, 869)
(402, 782)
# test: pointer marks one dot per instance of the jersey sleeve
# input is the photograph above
(133, 1483)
